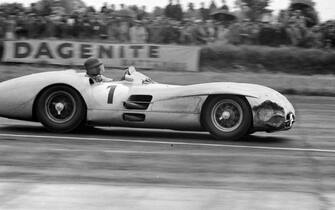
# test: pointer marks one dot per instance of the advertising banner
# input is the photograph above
(145, 56)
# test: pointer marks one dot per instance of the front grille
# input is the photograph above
(290, 119)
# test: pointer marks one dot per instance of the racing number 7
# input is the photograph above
(111, 94)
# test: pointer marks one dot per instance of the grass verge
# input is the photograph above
(274, 59)
(320, 85)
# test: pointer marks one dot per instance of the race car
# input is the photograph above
(64, 101)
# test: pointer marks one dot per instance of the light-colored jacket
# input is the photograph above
(138, 34)
(100, 78)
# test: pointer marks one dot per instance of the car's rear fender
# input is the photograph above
(34, 117)
(18, 95)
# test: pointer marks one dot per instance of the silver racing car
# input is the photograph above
(66, 100)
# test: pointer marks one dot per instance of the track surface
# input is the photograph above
(118, 168)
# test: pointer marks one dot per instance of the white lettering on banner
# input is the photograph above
(147, 56)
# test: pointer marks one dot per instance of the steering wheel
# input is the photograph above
(128, 72)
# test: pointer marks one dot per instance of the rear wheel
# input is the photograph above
(60, 109)
(227, 117)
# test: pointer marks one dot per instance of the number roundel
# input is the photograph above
(111, 94)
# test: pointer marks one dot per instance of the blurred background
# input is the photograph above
(295, 37)
(237, 22)
(286, 45)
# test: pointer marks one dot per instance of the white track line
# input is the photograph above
(296, 149)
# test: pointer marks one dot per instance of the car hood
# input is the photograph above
(163, 91)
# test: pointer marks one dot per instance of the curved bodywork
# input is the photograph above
(138, 102)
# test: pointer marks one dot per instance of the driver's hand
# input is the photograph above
(98, 78)
(128, 78)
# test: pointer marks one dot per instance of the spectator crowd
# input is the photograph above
(169, 25)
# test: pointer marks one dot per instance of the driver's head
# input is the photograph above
(94, 67)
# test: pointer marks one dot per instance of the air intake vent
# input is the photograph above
(133, 117)
(141, 102)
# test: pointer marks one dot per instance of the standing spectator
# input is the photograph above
(96, 28)
(169, 34)
(124, 31)
(142, 13)
(112, 9)
(112, 29)
(177, 11)
(267, 34)
(134, 10)
(175, 31)
(315, 37)
(154, 30)
(86, 28)
(169, 10)
(33, 8)
(298, 19)
(158, 12)
(224, 5)
(191, 13)
(10, 26)
(2, 26)
(199, 33)
(186, 36)
(328, 31)
(21, 26)
(296, 28)
(138, 33)
(127, 11)
(212, 6)
(90, 10)
(222, 34)
(42, 25)
(77, 27)
(203, 12)
(245, 31)
(70, 21)
(62, 28)
(50, 28)
(311, 17)
(254, 31)
(104, 8)
(31, 19)
(122, 7)
(283, 17)
(211, 30)
(244, 11)
(103, 27)
(234, 35)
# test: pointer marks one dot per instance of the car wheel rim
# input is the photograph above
(60, 107)
(227, 115)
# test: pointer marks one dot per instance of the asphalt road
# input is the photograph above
(117, 168)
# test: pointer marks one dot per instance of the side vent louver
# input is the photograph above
(140, 102)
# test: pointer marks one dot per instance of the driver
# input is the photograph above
(94, 69)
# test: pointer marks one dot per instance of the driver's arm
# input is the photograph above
(127, 76)
(101, 78)
(106, 79)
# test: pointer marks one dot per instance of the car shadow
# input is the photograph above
(264, 139)
(151, 134)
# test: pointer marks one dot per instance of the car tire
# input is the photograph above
(61, 109)
(227, 117)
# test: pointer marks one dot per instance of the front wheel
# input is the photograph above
(227, 117)
(60, 109)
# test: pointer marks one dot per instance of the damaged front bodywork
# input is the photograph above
(271, 116)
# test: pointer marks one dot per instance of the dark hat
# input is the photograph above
(137, 22)
(92, 63)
